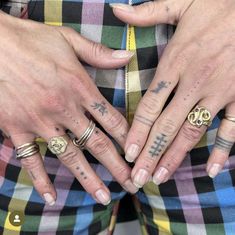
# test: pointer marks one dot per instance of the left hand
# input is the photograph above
(200, 61)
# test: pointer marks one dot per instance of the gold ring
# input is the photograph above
(81, 142)
(199, 116)
(230, 118)
(26, 150)
(58, 144)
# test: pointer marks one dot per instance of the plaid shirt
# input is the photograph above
(189, 203)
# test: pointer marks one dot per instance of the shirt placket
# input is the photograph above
(132, 76)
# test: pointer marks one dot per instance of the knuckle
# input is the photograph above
(29, 163)
(69, 157)
(99, 144)
(150, 105)
(97, 49)
(168, 127)
(116, 122)
(79, 83)
(207, 69)
(52, 101)
(149, 8)
(191, 133)
(121, 173)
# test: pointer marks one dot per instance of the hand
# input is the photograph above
(199, 61)
(45, 90)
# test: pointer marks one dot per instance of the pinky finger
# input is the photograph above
(36, 170)
(223, 144)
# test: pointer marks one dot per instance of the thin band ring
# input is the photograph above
(81, 142)
(230, 118)
(27, 150)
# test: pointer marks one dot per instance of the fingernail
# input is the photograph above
(160, 176)
(214, 170)
(132, 152)
(141, 177)
(49, 199)
(130, 187)
(103, 197)
(124, 7)
(122, 54)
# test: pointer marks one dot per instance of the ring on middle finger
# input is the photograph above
(81, 142)
(199, 116)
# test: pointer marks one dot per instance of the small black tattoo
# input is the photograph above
(82, 173)
(167, 8)
(100, 107)
(32, 175)
(160, 86)
(158, 145)
(223, 144)
(57, 129)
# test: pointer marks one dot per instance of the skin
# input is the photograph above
(199, 60)
(45, 90)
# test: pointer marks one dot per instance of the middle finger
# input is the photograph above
(102, 148)
(162, 134)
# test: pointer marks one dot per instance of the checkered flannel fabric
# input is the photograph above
(189, 203)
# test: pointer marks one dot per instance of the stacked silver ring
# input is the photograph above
(81, 142)
(230, 118)
(27, 150)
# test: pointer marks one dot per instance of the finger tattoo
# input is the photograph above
(143, 120)
(32, 175)
(223, 144)
(160, 86)
(158, 145)
(82, 173)
(100, 107)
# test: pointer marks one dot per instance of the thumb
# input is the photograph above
(94, 53)
(151, 13)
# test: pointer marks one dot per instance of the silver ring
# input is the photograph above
(81, 142)
(27, 150)
(230, 118)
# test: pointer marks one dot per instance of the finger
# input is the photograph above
(75, 161)
(149, 13)
(102, 148)
(161, 135)
(223, 144)
(149, 109)
(94, 53)
(186, 139)
(109, 118)
(36, 170)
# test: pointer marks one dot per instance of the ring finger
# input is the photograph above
(185, 141)
(102, 148)
(75, 161)
(223, 143)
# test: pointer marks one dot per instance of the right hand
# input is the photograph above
(45, 90)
